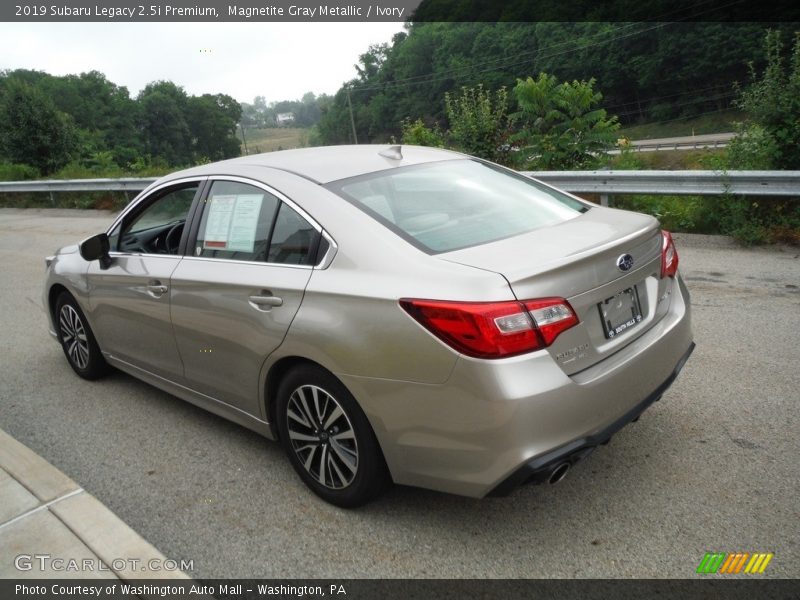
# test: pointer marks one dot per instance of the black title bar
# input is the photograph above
(398, 10)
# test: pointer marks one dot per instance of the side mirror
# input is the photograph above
(96, 247)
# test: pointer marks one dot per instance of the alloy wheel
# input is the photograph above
(73, 336)
(322, 436)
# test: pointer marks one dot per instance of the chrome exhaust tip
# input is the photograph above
(558, 473)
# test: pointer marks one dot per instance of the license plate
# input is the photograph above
(620, 312)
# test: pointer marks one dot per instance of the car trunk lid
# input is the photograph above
(577, 260)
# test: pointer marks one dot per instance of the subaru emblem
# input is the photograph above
(625, 262)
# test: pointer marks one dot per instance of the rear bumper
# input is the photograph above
(495, 424)
(541, 468)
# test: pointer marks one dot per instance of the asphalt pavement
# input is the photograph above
(711, 467)
(51, 528)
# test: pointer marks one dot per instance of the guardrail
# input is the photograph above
(125, 184)
(658, 146)
(673, 183)
(687, 142)
(605, 183)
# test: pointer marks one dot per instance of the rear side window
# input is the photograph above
(243, 222)
(292, 238)
(456, 204)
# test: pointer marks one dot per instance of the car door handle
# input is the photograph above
(265, 302)
(156, 289)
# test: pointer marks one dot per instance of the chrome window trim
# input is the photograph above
(257, 263)
(333, 247)
(146, 194)
(115, 254)
(270, 190)
(324, 263)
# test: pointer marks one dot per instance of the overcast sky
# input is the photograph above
(280, 61)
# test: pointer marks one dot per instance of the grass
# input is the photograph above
(273, 138)
(718, 122)
(669, 160)
(96, 200)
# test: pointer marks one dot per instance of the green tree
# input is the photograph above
(104, 115)
(164, 127)
(647, 71)
(560, 126)
(32, 130)
(212, 122)
(369, 63)
(334, 124)
(478, 121)
(771, 136)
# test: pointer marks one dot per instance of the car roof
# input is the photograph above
(327, 163)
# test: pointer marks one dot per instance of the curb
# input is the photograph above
(44, 512)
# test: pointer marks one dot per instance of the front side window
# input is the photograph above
(243, 222)
(157, 229)
(456, 204)
(236, 222)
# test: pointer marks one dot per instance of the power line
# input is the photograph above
(453, 73)
(702, 114)
(431, 78)
(652, 98)
(689, 103)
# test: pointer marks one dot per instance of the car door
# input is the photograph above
(130, 299)
(236, 292)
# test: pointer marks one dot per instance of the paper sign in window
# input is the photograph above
(219, 221)
(232, 222)
(242, 236)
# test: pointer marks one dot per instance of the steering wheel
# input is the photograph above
(173, 238)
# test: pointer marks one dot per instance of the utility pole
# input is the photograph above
(352, 120)
(244, 139)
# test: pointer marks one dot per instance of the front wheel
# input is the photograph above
(77, 339)
(328, 438)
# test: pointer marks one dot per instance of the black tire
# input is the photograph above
(343, 469)
(77, 340)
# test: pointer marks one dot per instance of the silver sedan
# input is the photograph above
(390, 314)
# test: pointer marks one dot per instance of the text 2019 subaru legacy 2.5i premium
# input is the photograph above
(389, 314)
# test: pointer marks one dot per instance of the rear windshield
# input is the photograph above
(449, 205)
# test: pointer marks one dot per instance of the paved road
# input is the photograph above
(713, 466)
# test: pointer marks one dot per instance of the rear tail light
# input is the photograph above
(494, 329)
(669, 255)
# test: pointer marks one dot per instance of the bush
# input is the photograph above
(772, 102)
(418, 134)
(760, 220)
(627, 159)
(478, 122)
(748, 220)
(560, 124)
(753, 148)
(10, 172)
(686, 214)
(310, 137)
